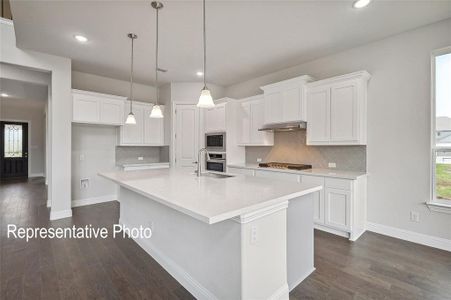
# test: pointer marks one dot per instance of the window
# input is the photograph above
(441, 126)
(13, 140)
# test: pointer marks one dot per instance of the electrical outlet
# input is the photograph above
(259, 160)
(82, 157)
(414, 216)
(254, 234)
(140, 158)
(332, 165)
(84, 183)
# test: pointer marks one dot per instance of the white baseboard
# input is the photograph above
(414, 237)
(185, 279)
(281, 293)
(62, 214)
(93, 200)
(33, 175)
(300, 279)
(331, 230)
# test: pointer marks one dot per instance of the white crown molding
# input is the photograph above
(414, 237)
(362, 75)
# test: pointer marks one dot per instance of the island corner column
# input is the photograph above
(264, 253)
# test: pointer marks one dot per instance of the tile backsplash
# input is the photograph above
(129, 155)
(291, 147)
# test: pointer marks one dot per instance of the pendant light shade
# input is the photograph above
(156, 109)
(205, 99)
(156, 112)
(131, 117)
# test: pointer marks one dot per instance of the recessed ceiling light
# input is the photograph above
(4, 95)
(81, 38)
(200, 73)
(361, 3)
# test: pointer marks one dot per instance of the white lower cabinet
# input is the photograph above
(337, 209)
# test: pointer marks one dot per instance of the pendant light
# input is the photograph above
(131, 117)
(205, 99)
(156, 109)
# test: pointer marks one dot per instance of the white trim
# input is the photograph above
(439, 207)
(280, 293)
(249, 217)
(93, 200)
(300, 279)
(432, 141)
(6, 21)
(33, 175)
(414, 237)
(49, 203)
(341, 233)
(185, 279)
(62, 214)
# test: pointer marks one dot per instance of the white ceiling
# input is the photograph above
(245, 38)
(21, 90)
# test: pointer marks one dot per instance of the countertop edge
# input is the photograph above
(299, 172)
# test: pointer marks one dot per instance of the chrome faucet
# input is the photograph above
(199, 161)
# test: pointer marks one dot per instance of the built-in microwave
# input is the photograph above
(215, 141)
(216, 162)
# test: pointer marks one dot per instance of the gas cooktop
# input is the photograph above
(289, 166)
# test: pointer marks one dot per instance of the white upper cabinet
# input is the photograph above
(146, 132)
(96, 108)
(285, 100)
(215, 118)
(337, 110)
(251, 118)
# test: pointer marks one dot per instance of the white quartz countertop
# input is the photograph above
(144, 164)
(210, 200)
(314, 172)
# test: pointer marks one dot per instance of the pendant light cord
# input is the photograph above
(131, 74)
(205, 47)
(156, 56)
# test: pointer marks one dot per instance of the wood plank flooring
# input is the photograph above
(375, 267)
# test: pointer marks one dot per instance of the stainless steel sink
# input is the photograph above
(217, 175)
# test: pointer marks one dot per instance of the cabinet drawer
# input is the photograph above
(337, 183)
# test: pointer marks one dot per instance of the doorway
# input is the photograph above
(13, 149)
(186, 135)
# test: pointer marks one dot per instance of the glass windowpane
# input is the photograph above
(13, 140)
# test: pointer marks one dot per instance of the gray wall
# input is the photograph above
(100, 84)
(97, 146)
(398, 153)
(290, 147)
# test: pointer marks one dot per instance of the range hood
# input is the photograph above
(288, 126)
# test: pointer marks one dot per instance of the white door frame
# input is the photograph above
(174, 129)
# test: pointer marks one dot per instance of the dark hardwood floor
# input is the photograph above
(374, 267)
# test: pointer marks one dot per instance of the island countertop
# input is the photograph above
(207, 199)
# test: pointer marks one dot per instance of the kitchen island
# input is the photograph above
(237, 237)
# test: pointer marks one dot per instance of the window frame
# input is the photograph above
(433, 203)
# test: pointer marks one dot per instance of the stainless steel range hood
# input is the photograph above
(288, 126)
